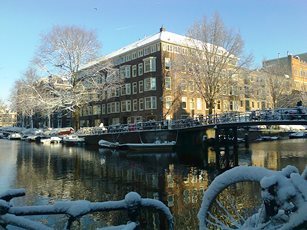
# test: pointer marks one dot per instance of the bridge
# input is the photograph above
(189, 132)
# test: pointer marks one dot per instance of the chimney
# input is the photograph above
(162, 29)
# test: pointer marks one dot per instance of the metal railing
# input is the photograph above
(298, 113)
(74, 210)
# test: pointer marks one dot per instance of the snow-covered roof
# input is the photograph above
(163, 36)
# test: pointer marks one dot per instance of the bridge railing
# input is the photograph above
(298, 113)
(74, 210)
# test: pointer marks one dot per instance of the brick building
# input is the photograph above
(149, 88)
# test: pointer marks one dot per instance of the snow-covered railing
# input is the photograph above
(133, 202)
(298, 113)
(283, 193)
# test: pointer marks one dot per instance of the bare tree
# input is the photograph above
(25, 97)
(63, 53)
(213, 55)
(278, 84)
(3, 106)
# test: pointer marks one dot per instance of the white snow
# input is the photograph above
(290, 190)
(23, 222)
(164, 36)
(232, 176)
(160, 206)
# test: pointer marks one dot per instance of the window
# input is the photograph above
(198, 104)
(153, 48)
(126, 89)
(141, 104)
(140, 69)
(117, 92)
(149, 64)
(218, 104)
(135, 105)
(158, 46)
(168, 83)
(117, 107)
(134, 55)
(123, 106)
(127, 71)
(128, 103)
(103, 109)
(126, 106)
(146, 51)
(168, 102)
(141, 86)
(231, 106)
(150, 102)
(167, 63)
(134, 71)
(123, 90)
(149, 84)
(124, 71)
(231, 90)
(140, 53)
(183, 102)
(134, 88)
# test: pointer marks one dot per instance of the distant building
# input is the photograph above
(296, 69)
(7, 117)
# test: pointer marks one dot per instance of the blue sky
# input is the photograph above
(268, 27)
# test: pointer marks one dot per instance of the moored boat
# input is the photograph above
(157, 146)
(73, 140)
(14, 136)
(51, 140)
(267, 138)
(109, 145)
(298, 135)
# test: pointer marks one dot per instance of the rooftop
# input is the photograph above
(163, 36)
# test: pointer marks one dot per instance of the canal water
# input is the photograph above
(55, 172)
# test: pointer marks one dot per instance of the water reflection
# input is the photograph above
(56, 172)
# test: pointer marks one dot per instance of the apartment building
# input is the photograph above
(296, 69)
(150, 89)
(7, 117)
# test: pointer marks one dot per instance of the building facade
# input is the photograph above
(7, 118)
(295, 67)
(151, 91)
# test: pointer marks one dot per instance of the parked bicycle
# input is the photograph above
(74, 210)
(283, 206)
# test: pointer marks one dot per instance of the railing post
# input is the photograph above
(133, 202)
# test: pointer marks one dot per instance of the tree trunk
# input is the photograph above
(31, 122)
(76, 119)
(211, 107)
(49, 120)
